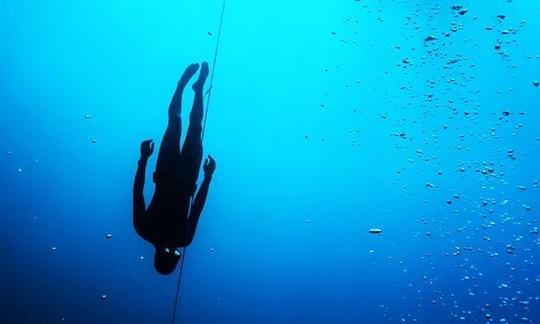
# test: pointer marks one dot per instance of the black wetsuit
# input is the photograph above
(169, 222)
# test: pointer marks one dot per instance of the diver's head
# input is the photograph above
(166, 259)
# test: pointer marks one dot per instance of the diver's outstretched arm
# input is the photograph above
(147, 148)
(200, 199)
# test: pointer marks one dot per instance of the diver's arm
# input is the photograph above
(138, 196)
(147, 147)
(200, 199)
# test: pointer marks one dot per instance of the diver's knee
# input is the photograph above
(174, 116)
(195, 128)
(174, 120)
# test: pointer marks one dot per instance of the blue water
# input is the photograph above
(328, 119)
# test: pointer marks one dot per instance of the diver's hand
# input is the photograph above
(209, 166)
(147, 148)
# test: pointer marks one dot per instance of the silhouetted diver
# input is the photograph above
(166, 223)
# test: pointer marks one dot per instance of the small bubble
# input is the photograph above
(103, 297)
(108, 236)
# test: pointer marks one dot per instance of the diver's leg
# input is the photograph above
(169, 151)
(191, 156)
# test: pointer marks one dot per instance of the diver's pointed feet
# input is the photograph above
(203, 74)
(188, 73)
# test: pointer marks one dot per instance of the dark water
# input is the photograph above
(328, 119)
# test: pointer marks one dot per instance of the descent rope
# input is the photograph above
(208, 93)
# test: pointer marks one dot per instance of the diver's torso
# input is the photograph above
(168, 214)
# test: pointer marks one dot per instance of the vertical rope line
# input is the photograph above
(178, 285)
(184, 249)
(213, 67)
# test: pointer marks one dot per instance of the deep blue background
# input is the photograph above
(318, 137)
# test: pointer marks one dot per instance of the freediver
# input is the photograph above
(170, 220)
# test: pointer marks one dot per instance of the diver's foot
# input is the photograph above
(188, 73)
(203, 74)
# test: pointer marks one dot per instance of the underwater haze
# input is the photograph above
(377, 160)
